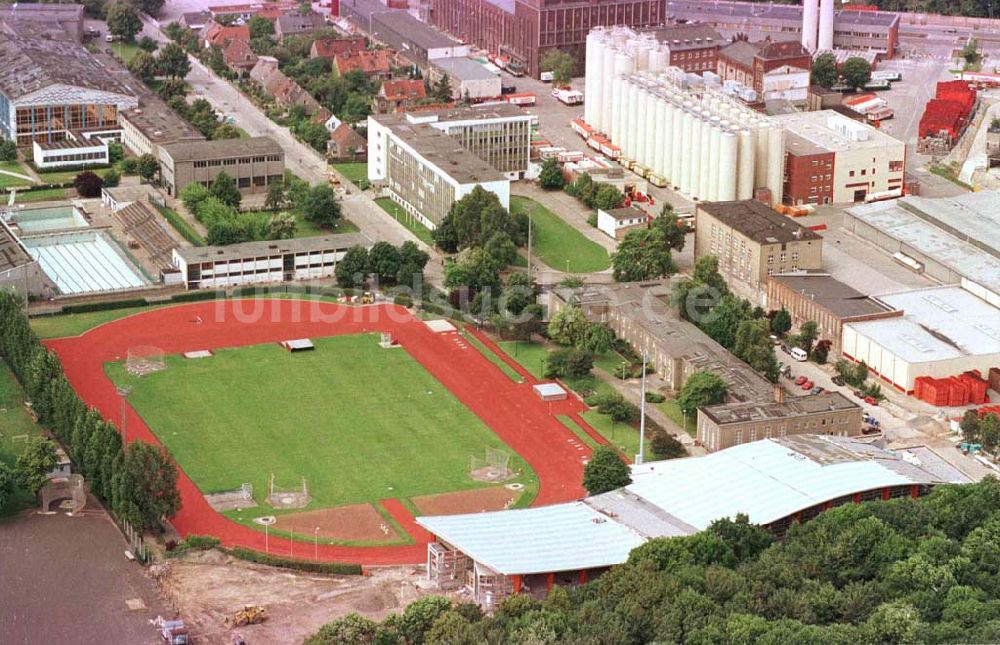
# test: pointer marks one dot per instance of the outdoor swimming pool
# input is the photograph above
(84, 262)
(50, 218)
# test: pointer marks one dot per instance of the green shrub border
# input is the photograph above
(309, 566)
(180, 225)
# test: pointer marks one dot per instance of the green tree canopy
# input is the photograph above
(320, 206)
(224, 189)
(606, 471)
(172, 61)
(147, 166)
(551, 176)
(560, 64)
(351, 270)
(824, 70)
(781, 322)
(151, 480)
(568, 326)
(857, 72)
(644, 254)
(123, 20)
(472, 220)
(260, 27)
(35, 463)
(701, 388)
(143, 65)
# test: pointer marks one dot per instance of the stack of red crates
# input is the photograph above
(949, 110)
(952, 391)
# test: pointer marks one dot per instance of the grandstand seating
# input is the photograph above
(140, 222)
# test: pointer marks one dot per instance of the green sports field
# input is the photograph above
(360, 423)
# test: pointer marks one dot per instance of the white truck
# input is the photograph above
(568, 96)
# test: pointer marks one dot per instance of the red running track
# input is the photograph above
(511, 410)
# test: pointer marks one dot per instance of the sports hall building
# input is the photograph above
(775, 482)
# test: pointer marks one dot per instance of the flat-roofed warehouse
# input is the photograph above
(730, 424)
(944, 331)
(775, 482)
(469, 80)
(51, 21)
(253, 163)
(306, 258)
(152, 124)
(876, 30)
(951, 239)
(818, 297)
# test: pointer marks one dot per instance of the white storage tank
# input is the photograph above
(617, 90)
(715, 145)
(706, 158)
(728, 159)
(687, 127)
(640, 126)
(607, 74)
(662, 132)
(677, 126)
(776, 163)
(747, 152)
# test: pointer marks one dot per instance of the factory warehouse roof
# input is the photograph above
(831, 131)
(759, 222)
(939, 323)
(768, 480)
(562, 537)
(961, 233)
(32, 64)
(463, 69)
(835, 296)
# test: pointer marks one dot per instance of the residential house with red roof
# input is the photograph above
(346, 145)
(218, 35)
(399, 94)
(238, 56)
(373, 64)
(328, 48)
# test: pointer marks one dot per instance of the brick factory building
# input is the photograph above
(748, 62)
(524, 30)
(825, 301)
(693, 47)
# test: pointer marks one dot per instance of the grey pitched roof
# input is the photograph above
(30, 65)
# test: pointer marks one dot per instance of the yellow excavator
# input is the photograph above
(249, 615)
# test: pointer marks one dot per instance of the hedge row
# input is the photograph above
(342, 568)
(181, 225)
(104, 306)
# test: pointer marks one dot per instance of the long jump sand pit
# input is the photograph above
(354, 523)
(467, 501)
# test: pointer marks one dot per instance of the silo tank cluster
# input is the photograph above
(701, 142)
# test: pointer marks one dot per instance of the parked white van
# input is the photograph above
(799, 354)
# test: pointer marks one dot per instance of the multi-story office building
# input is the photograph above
(498, 134)
(728, 425)
(424, 170)
(253, 163)
(48, 87)
(751, 242)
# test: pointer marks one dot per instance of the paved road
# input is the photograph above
(299, 158)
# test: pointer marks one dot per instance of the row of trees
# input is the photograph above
(595, 195)
(901, 571)
(139, 484)
(855, 73)
(732, 322)
(385, 263)
(984, 430)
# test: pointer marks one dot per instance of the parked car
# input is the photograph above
(838, 380)
(775, 339)
(859, 394)
(784, 348)
(800, 380)
(817, 390)
(871, 400)
(808, 385)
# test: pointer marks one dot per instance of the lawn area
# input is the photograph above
(305, 228)
(360, 423)
(531, 356)
(62, 325)
(124, 51)
(511, 373)
(672, 409)
(15, 425)
(353, 172)
(580, 433)
(62, 176)
(6, 181)
(622, 436)
(46, 194)
(556, 243)
(407, 220)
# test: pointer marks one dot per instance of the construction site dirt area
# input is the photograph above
(354, 523)
(207, 587)
(495, 498)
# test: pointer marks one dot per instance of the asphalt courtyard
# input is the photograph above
(66, 580)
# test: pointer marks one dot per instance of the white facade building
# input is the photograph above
(616, 222)
(70, 153)
(307, 258)
(944, 331)
(702, 142)
(786, 83)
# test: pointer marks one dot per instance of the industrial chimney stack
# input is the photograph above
(810, 24)
(826, 13)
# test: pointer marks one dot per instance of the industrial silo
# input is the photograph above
(727, 161)
(706, 158)
(747, 152)
(715, 144)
